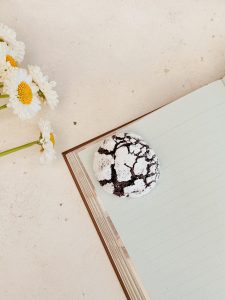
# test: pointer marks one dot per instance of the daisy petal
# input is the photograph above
(47, 142)
(45, 86)
(22, 93)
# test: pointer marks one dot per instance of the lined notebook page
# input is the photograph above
(175, 235)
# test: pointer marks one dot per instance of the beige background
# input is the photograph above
(113, 61)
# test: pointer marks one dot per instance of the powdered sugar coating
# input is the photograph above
(103, 167)
(126, 166)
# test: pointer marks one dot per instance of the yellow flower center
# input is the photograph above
(52, 138)
(25, 94)
(11, 60)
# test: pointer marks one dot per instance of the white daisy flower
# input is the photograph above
(8, 36)
(45, 92)
(47, 141)
(8, 60)
(18, 48)
(7, 55)
(22, 93)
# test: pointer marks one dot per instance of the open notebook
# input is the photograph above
(169, 244)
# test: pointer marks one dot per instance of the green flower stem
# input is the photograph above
(19, 148)
(1, 84)
(4, 96)
(3, 106)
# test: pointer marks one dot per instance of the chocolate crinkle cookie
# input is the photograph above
(126, 166)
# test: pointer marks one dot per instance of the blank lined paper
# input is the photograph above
(175, 235)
